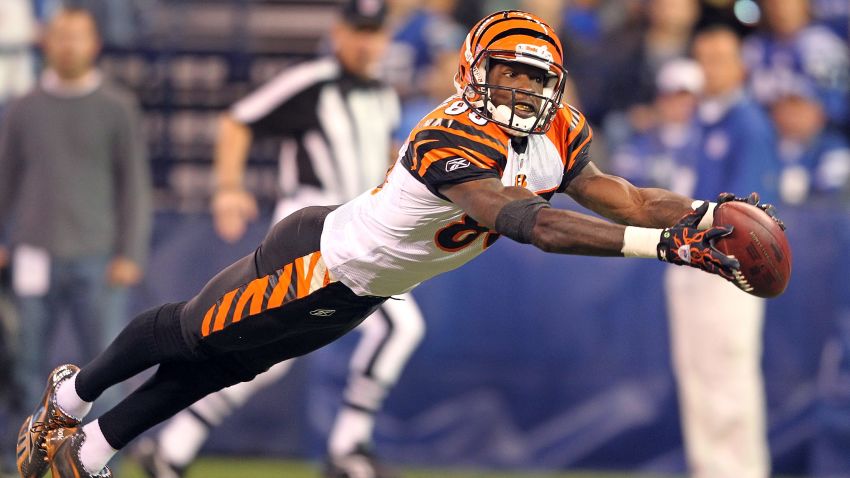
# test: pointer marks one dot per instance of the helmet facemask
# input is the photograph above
(479, 92)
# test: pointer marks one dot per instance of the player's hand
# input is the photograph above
(232, 210)
(4, 256)
(123, 272)
(684, 244)
(752, 199)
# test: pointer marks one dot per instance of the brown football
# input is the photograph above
(759, 244)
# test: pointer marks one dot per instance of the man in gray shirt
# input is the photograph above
(75, 196)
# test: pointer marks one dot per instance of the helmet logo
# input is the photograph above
(541, 51)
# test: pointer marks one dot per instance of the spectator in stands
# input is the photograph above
(75, 196)
(17, 32)
(423, 35)
(791, 46)
(834, 14)
(586, 28)
(636, 55)
(17, 70)
(664, 155)
(715, 329)
(815, 158)
(435, 90)
(122, 22)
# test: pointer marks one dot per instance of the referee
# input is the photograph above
(335, 121)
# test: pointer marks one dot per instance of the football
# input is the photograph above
(759, 244)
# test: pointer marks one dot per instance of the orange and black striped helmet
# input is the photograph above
(512, 36)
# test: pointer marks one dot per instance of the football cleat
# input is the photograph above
(32, 448)
(361, 463)
(154, 465)
(63, 453)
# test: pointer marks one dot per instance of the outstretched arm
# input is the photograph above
(524, 217)
(552, 230)
(617, 199)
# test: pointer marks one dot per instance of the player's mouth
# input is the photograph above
(524, 109)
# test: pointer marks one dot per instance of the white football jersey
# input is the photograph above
(388, 240)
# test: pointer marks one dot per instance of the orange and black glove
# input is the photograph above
(684, 244)
(752, 199)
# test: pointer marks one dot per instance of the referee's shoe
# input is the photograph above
(154, 465)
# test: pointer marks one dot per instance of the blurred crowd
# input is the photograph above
(647, 120)
(740, 93)
(794, 53)
(632, 74)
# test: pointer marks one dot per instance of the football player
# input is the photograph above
(480, 166)
(332, 146)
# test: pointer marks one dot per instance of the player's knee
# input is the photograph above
(405, 318)
(409, 329)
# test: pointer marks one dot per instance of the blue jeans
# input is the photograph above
(97, 312)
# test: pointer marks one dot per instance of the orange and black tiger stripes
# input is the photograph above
(295, 280)
(513, 23)
(482, 150)
(447, 147)
(577, 139)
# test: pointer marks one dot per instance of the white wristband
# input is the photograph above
(641, 242)
(707, 220)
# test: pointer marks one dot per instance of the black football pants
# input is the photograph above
(274, 304)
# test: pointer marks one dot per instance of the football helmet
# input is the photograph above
(511, 36)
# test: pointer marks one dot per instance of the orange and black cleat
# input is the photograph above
(63, 454)
(32, 438)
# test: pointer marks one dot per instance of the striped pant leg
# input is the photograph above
(288, 331)
(214, 310)
(273, 305)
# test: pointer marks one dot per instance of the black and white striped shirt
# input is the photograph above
(336, 129)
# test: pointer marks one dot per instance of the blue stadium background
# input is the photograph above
(537, 361)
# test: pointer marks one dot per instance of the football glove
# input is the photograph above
(684, 244)
(752, 199)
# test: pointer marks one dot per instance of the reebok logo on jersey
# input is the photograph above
(456, 163)
(322, 312)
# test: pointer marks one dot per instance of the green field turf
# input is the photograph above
(256, 468)
(264, 468)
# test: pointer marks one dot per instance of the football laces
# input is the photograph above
(742, 281)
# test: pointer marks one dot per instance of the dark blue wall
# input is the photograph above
(541, 361)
